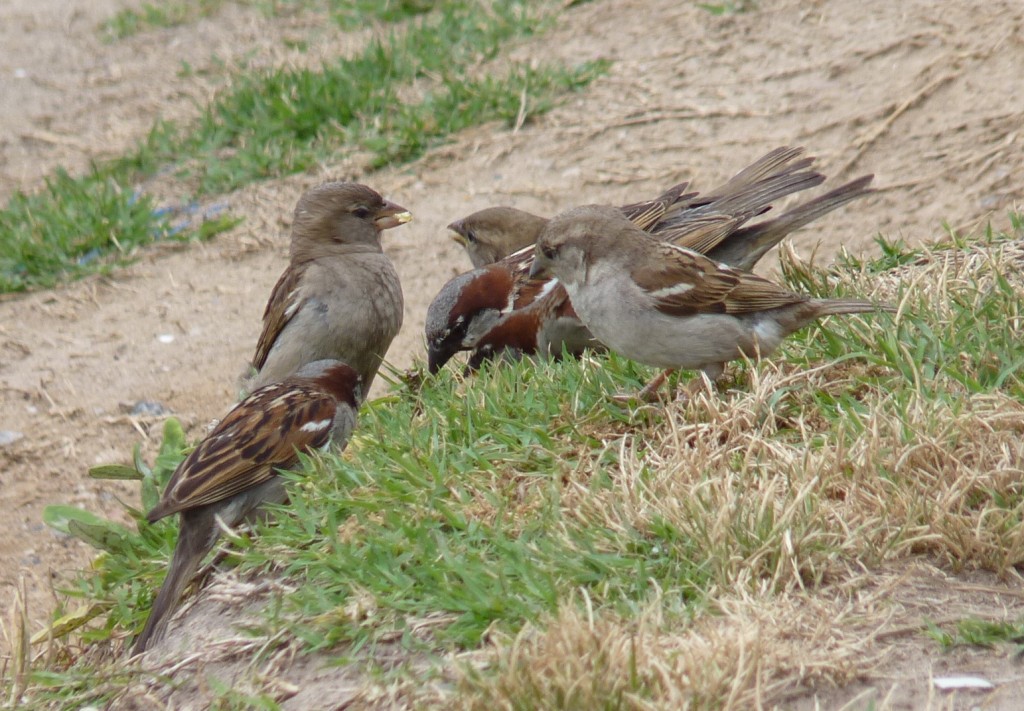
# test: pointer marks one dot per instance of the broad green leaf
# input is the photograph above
(58, 516)
(106, 535)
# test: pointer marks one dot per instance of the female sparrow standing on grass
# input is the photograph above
(340, 296)
(233, 471)
(669, 306)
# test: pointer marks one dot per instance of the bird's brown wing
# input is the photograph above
(261, 434)
(682, 283)
(285, 301)
(647, 214)
(702, 233)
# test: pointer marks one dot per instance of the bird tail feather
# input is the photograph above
(188, 553)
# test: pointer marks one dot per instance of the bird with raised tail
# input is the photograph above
(498, 308)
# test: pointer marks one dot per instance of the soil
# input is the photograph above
(927, 99)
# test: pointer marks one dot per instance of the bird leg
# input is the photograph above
(709, 376)
(649, 393)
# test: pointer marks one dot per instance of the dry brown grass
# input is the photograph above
(801, 509)
(828, 508)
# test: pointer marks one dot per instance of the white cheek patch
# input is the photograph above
(548, 287)
(316, 426)
(680, 288)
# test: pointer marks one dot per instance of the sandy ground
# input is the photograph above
(928, 101)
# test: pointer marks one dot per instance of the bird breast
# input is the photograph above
(620, 315)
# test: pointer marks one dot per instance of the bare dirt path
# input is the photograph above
(927, 100)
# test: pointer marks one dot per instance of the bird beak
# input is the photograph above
(391, 215)
(437, 356)
(539, 269)
(458, 237)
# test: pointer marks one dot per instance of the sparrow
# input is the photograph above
(494, 233)
(666, 305)
(491, 234)
(547, 325)
(467, 310)
(233, 471)
(339, 296)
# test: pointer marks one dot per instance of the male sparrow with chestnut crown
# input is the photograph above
(233, 471)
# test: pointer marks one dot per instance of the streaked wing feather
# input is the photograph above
(647, 214)
(283, 304)
(685, 283)
(528, 291)
(756, 294)
(701, 234)
(242, 452)
(519, 262)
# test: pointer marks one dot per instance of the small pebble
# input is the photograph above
(151, 408)
(959, 683)
(166, 338)
(9, 437)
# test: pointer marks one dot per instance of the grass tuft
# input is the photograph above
(409, 88)
(130, 21)
(78, 226)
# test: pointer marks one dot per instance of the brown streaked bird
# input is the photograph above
(468, 308)
(233, 471)
(669, 306)
(547, 325)
(340, 296)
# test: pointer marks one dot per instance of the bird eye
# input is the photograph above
(361, 212)
(471, 235)
(548, 251)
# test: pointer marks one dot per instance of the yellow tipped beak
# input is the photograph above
(386, 222)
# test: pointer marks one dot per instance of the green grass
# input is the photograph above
(730, 7)
(348, 14)
(975, 343)
(129, 22)
(466, 511)
(77, 226)
(285, 121)
(980, 633)
(403, 93)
